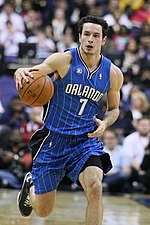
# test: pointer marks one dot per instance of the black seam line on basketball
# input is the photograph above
(40, 92)
(30, 85)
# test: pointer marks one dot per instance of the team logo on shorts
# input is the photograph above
(79, 70)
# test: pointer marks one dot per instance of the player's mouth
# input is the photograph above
(89, 47)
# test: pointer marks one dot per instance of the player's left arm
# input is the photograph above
(113, 101)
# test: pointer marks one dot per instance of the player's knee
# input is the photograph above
(94, 191)
(44, 212)
(44, 204)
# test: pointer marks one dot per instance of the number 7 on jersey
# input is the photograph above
(83, 101)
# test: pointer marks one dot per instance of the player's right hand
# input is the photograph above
(22, 73)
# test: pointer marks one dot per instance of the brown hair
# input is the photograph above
(96, 20)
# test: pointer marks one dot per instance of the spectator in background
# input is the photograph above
(59, 24)
(48, 10)
(144, 57)
(145, 35)
(131, 57)
(145, 81)
(76, 11)
(134, 5)
(110, 51)
(121, 38)
(15, 161)
(90, 7)
(126, 89)
(8, 14)
(144, 48)
(67, 41)
(34, 123)
(1, 3)
(49, 32)
(96, 10)
(112, 5)
(139, 107)
(145, 166)
(44, 46)
(115, 18)
(16, 114)
(63, 4)
(10, 39)
(141, 15)
(134, 146)
(117, 180)
(32, 18)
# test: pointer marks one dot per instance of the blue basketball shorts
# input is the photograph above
(56, 155)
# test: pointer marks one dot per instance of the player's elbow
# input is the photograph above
(114, 109)
(117, 112)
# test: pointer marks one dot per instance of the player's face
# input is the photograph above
(91, 38)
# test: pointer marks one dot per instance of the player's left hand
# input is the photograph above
(100, 130)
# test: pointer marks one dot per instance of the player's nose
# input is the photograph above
(90, 39)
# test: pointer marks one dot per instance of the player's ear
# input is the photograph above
(104, 40)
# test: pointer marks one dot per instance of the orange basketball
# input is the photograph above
(38, 91)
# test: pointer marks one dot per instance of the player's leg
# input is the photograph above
(91, 181)
(87, 164)
(46, 174)
(43, 204)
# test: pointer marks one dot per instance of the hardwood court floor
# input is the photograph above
(70, 210)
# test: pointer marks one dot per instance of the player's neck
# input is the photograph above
(92, 61)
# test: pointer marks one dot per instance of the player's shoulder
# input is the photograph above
(115, 70)
(59, 59)
(116, 73)
(62, 55)
(116, 76)
(65, 57)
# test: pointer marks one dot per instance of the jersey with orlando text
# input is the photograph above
(76, 97)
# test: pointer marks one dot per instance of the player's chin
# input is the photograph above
(90, 51)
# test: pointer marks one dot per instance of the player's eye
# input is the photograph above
(96, 36)
(86, 34)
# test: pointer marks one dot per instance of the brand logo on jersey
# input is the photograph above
(50, 144)
(85, 91)
(100, 76)
(79, 70)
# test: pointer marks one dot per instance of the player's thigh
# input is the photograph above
(45, 201)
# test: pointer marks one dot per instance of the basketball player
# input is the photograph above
(67, 143)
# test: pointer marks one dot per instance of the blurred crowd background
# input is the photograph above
(31, 30)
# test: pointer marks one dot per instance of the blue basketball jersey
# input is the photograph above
(76, 97)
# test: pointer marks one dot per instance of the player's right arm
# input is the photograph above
(59, 62)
